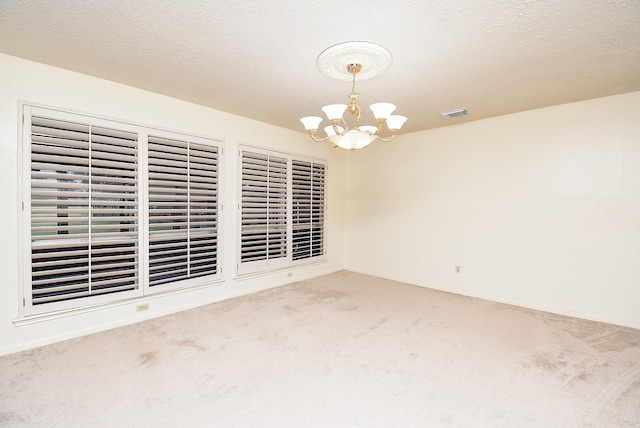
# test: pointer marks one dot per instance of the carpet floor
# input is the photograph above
(341, 350)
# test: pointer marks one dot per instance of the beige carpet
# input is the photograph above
(343, 350)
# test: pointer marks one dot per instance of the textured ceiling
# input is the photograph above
(258, 59)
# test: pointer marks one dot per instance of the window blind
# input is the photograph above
(84, 210)
(263, 207)
(183, 210)
(308, 208)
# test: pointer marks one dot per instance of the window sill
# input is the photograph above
(53, 315)
(278, 270)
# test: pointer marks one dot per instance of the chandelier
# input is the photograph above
(332, 63)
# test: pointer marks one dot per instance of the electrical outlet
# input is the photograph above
(290, 275)
(458, 269)
(142, 307)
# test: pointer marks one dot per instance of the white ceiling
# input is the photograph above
(258, 59)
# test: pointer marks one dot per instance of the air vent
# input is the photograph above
(455, 113)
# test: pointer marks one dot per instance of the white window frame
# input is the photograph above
(269, 265)
(142, 288)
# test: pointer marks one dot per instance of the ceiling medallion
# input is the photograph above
(343, 62)
(373, 58)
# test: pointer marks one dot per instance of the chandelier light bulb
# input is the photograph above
(352, 140)
(311, 122)
(334, 111)
(331, 132)
(382, 110)
(395, 122)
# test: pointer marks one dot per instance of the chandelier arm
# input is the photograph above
(346, 127)
(386, 140)
(381, 123)
(319, 140)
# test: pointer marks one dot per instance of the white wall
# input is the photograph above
(540, 209)
(31, 82)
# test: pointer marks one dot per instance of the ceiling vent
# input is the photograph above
(455, 113)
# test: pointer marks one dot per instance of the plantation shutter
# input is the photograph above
(84, 210)
(308, 207)
(183, 210)
(263, 207)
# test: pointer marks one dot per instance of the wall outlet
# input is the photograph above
(142, 307)
(290, 275)
(458, 269)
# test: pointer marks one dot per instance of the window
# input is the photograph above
(87, 230)
(183, 218)
(282, 210)
(264, 208)
(307, 198)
